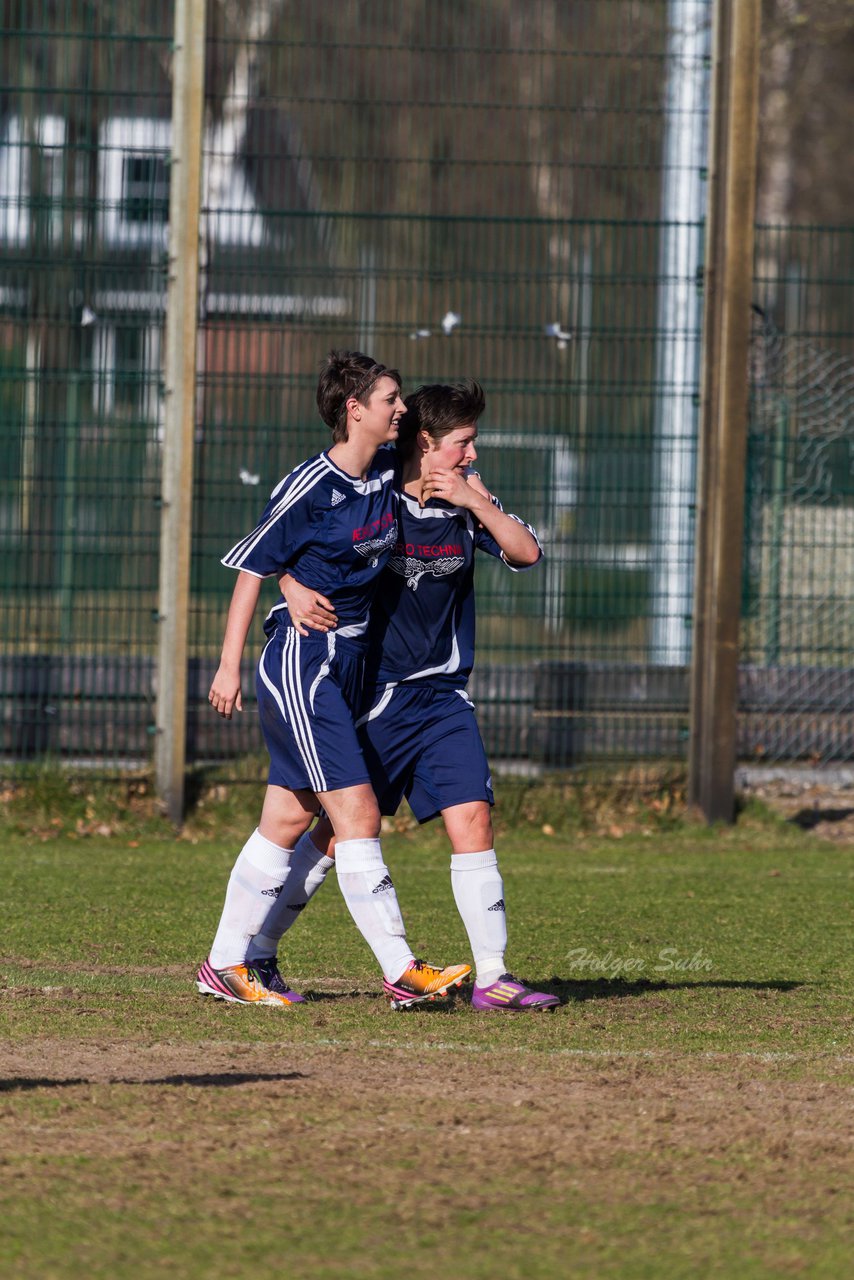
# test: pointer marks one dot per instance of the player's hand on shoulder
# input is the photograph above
(309, 609)
(451, 486)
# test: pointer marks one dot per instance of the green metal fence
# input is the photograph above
(798, 612)
(82, 236)
(511, 190)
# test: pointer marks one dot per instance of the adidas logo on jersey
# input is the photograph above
(337, 497)
(384, 884)
(497, 906)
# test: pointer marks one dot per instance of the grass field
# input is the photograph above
(686, 1112)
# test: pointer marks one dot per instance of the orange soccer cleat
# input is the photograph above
(422, 982)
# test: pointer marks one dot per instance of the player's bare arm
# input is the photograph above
(474, 481)
(518, 545)
(225, 695)
(309, 609)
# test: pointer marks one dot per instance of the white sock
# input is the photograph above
(308, 870)
(372, 902)
(479, 895)
(256, 881)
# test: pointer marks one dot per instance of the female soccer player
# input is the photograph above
(418, 729)
(331, 522)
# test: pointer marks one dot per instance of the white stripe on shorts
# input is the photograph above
(379, 706)
(317, 782)
(324, 668)
(299, 715)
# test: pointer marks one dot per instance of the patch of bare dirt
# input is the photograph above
(408, 1139)
(503, 1109)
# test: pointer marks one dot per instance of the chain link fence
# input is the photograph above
(513, 191)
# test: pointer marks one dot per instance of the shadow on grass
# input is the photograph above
(437, 1006)
(217, 1079)
(566, 988)
(808, 819)
(620, 988)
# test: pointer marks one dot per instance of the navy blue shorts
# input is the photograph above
(308, 692)
(424, 744)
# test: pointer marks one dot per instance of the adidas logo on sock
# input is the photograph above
(497, 906)
(384, 884)
(297, 906)
(273, 893)
(337, 497)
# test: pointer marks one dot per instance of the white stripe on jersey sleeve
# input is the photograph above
(523, 568)
(302, 483)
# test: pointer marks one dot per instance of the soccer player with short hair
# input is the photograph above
(418, 728)
(331, 521)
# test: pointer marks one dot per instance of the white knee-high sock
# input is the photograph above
(368, 890)
(256, 881)
(308, 870)
(479, 895)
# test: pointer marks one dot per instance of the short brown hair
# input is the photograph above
(439, 409)
(346, 374)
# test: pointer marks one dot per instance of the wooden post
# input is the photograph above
(180, 414)
(723, 430)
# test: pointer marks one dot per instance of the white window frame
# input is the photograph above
(119, 139)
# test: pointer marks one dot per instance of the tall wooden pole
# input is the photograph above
(180, 415)
(723, 430)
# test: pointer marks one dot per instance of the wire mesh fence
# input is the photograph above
(798, 610)
(511, 191)
(82, 231)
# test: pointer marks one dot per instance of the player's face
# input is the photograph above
(379, 419)
(455, 451)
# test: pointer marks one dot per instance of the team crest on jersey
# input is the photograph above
(413, 570)
(372, 548)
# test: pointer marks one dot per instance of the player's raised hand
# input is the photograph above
(451, 485)
(224, 695)
(309, 609)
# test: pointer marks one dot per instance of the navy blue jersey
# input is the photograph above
(331, 531)
(423, 617)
